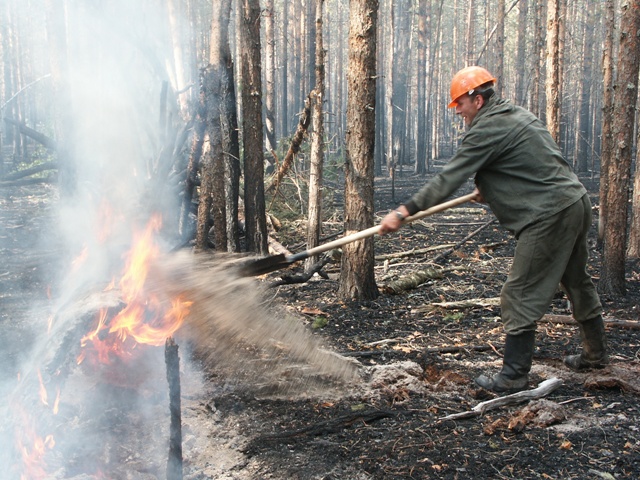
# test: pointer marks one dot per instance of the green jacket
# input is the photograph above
(518, 168)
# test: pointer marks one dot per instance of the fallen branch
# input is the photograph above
(542, 390)
(294, 148)
(323, 428)
(30, 171)
(413, 251)
(415, 279)
(41, 138)
(608, 322)
(470, 303)
(304, 277)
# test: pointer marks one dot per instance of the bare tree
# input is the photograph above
(357, 279)
(254, 202)
(314, 226)
(521, 72)
(624, 102)
(64, 123)
(554, 79)
(269, 76)
(607, 113)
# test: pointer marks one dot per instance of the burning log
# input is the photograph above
(172, 361)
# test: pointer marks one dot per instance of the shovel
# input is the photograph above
(277, 262)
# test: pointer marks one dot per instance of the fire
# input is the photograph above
(146, 318)
(32, 449)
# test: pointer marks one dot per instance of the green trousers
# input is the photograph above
(549, 253)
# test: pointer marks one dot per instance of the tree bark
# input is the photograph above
(606, 148)
(269, 76)
(357, 280)
(612, 279)
(314, 224)
(554, 79)
(255, 210)
(521, 50)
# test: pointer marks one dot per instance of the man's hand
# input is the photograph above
(479, 198)
(393, 220)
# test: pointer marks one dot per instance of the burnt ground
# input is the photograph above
(393, 429)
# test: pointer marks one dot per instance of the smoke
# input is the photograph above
(62, 419)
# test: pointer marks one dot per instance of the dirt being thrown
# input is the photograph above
(238, 333)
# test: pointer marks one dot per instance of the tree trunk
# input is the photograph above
(471, 35)
(284, 67)
(269, 77)
(612, 280)
(538, 47)
(314, 226)
(521, 53)
(606, 149)
(421, 73)
(229, 130)
(357, 279)
(554, 80)
(633, 251)
(64, 124)
(499, 73)
(255, 210)
(581, 162)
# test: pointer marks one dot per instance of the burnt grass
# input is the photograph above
(398, 433)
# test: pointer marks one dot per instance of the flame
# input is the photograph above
(145, 318)
(32, 449)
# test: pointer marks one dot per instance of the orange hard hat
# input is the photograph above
(467, 80)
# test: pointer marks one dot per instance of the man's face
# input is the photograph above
(468, 107)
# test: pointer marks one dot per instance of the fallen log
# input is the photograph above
(27, 172)
(41, 138)
(542, 390)
(414, 280)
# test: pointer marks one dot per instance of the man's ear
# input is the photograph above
(479, 101)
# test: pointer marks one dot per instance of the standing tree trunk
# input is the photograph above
(606, 149)
(633, 251)
(254, 202)
(624, 101)
(538, 48)
(269, 77)
(469, 57)
(357, 279)
(229, 127)
(500, 49)
(553, 69)
(64, 124)
(284, 67)
(421, 73)
(521, 72)
(317, 146)
(581, 162)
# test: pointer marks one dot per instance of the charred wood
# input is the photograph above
(323, 428)
(46, 142)
(172, 361)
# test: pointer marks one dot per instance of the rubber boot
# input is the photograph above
(594, 346)
(514, 376)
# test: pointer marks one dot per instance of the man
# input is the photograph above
(520, 173)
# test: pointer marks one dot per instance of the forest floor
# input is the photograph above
(418, 352)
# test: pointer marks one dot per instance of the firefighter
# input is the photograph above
(521, 174)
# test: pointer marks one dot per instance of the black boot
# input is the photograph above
(594, 346)
(514, 376)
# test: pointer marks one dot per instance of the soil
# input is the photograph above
(417, 352)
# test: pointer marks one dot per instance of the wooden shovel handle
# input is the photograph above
(369, 232)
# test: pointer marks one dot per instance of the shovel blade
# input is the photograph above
(265, 265)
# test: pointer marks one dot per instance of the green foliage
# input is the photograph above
(319, 322)
(453, 317)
